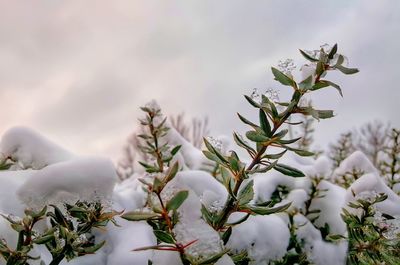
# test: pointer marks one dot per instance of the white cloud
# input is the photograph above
(79, 70)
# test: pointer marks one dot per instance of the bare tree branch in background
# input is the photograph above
(372, 138)
(342, 149)
(193, 131)
(390, 167)
(126, 165)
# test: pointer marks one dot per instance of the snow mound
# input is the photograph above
(266, 184)
(319, 252)
(191, 226)
(330, 206)
(367, 187)
(357, 161)
(266, 238)
(86, 178)
(31, 149)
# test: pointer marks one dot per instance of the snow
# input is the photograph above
(319, 251)
(266, 238)
(124, 239)
(225, 260)
(10, 182)
(31, 149)
(47, 173)
(212, 193)
(84, 178)
(190, 225)
(189, 156)
(129, 195)
(356, 161)
(330, 206)
(370, 185)
(266, 184)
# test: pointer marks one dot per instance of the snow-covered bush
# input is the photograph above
(65, 238)
(240, 210)
(263, 198)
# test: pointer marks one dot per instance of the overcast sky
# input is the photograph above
(77, 71)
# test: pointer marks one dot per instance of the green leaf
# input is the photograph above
(266, 211)
(43, 239)
(320, 84)
(239, 221)
(332, 52)
(326, 83)
(320, 68)
(274, 111)
(246, 194)
(207, 215)
(177, 200)
(139, 216)
(239, 141)
(149, 168)
(281, 134)
(18, 227)
(335, 237)
(234, 161)
(172, 172)
(306, 84)
(340, 60)
(317, 114)
(92, 249)
(347, 71)
(212, 157)
(308, 57)
(324, 114)
(175, 150)
(241, 258)
(289, 171)
(252, 102)
(59, 217)
(214, 151)
(226, 235)
(164, 236)
(282, 78)
(158, 185)
(381, 197)
(335, 86)
(256, 136)
(264, 123)
(300, 152)
(213, 259)
(303, 152)
(4, 165)
(246, 121)
(289, 141)
(275, 156)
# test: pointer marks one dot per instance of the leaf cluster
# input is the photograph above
(368, 243)
(68, 237)
(150, 144)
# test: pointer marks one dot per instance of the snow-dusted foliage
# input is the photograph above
(179, 204)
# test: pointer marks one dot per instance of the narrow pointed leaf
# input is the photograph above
(177, 200)
(308, 57)
(347, 71)
(139, 216)
(256, 137)
(289, 171)
(265, 126)
(282, 78)
(164, 236)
